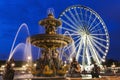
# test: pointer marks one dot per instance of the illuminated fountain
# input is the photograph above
(20, 45)
(49, 64)
(86, 42)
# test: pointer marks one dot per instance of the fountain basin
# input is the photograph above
(49, 40)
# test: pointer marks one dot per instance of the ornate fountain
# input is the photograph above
(49, 64)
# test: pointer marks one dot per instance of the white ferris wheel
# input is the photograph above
(89, 33)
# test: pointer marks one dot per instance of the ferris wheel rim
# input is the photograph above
(96, 15)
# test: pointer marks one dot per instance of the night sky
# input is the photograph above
(15, 12)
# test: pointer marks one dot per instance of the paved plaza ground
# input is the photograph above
(68, 78)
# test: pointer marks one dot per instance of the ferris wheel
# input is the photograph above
(89, 33)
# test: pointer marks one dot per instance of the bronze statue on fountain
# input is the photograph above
(49, 63)
(9, 71)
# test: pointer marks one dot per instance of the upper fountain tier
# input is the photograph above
(50, 24)
(50, 39)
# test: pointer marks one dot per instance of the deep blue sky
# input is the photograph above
(15, 12)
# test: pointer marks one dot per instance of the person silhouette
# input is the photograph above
(95, 71)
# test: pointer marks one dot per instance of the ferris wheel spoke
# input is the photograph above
(98, 56)
(94, 56)
(96, 51)
(99, 38)
(89, 18)
(69, 30)
(95, 26)
(74, 34)
(79, 48)
(84, 53)
(83, 59)
(99, 43)
(88, 56)
(74, 18)
(77, 40)
(71, 20)
(98, 48)
(97, 30)
(76, 37)
(69, 24)
(78, 17)
(98, 34)
(92, 23)
(81, 15)
(93, 52)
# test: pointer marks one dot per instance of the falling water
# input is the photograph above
(38, 56)
(16, 36)
(20, 46)
(27, 51)
(70, 49)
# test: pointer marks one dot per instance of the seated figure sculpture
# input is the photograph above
(74, 67)
(9, 72)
